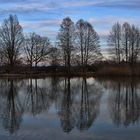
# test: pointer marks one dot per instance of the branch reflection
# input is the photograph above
(124, 103)
(80, 105)
(13, 110)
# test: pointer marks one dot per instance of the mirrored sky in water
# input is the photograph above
(64, 108)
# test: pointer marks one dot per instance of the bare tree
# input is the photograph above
(87, 41)
(125, 42)
(137, 52)
(134, 43)
(54, 56)
(80, 29)
(37, 48)
(66, 40)
(11, 38)
(114, 41)
(29, 48)
(126, 39)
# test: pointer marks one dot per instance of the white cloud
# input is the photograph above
(41, 24)
(80, 4)
(111, 20)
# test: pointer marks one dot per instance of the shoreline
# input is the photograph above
(43, 75)
(88, 74)
(104, 70)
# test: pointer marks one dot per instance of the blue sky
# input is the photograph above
(45, 16)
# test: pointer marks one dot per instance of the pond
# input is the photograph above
(70, 109)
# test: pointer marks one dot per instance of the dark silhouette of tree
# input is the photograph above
(11, 39)
(87, 40)
(124, 41)
(114, 41)
(54, 56)
(29, 49)
(37, 48)
(80, 35)
(134, 43)
(137, 44)
(66, 40)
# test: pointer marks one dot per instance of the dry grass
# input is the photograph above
(119, 71)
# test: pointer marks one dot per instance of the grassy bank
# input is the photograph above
(41, 72)
(99, 70)
(119, 70)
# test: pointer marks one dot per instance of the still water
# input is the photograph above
(69, 109)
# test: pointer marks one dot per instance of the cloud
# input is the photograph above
(8, 1)
(34, 13)
(127, 4)
(46, 28)
(16, 1)
(103, 33)
(80, 4)
(111, 20)
(25, 8)
(103, 25)
(41, 24)
(28, 6)
(55, 7)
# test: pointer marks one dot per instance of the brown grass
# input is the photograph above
(119, 71)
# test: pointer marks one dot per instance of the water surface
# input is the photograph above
(69, 109)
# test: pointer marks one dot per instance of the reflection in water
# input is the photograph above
(13, 110)
(124, 102)
(36, 99)
(66, 113)
(76, 101)
(79, 111)
(54, 88)
(89, 106)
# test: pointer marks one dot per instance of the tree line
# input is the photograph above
(77, 44)
(124, 42)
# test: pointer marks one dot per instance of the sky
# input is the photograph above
(45, 16)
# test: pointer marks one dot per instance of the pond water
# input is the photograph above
(69, 109)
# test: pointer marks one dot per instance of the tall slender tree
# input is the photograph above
(66, 40)
(134, 44)
(11, 38)
(125, 42)
(137, 52)
(114, 41)
(126, 39)
(87, 41)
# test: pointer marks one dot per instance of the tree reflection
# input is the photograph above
(55, 89)
(89, 106)
(124, 103)
(76, 98)
(13, 110)
(36, 99)
(66, 114)
(80, 104)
